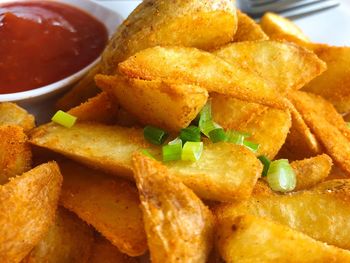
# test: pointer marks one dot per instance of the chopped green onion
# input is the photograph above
(251, 146)
(266, 162)
(244, 134)
(281, 176)
(235, 137)
(218, 135)
(172, 151)
(147, 153)
(154, 135)
(192, 151)
(190, 134)
(348, 124)
(207, 126)
(64, 119)
(205, 114)
(206, 123)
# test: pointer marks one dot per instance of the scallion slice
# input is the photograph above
(251, 145)
(348, 124)
(218, 135)
(147, 153)
(190, 134)
(172, 151)
(154, 135)
(192, 151)
(266, 162)
(64, 119)
(281, 176)
(235, 137)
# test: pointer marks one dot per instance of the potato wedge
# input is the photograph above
(165, 105)
(27, 209)
(68, 240)
(15, 152)
(204, 24)
(248, 29)
(110, 205)
(311, 171)
(225, 172)
(100, 108)
(285, 65)
(336, 144)
(104, 252)
(179, 227)
(322, 213)
(12, 114)
(193, 66)
(252, 239)
(280, 28)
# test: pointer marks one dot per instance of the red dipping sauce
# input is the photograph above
(42, 42)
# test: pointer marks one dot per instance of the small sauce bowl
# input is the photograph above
(108, 17)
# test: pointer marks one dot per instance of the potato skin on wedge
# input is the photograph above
(251, 239)
(179, 226)
(27, 209)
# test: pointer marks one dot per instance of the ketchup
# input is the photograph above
(42, 42)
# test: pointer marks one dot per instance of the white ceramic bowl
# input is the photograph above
(108, 17)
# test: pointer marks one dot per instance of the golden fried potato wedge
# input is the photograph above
(27, 209)
(248, 29)
(193, 66)
(283, 64)
(311, 171)
(204, 24)
(280, 28)
(269, 129)
(321, 213)
(336, 144)
(180, 228)
(225, 172)
(15, 152)
(252, 239)
(104, 252)
(110, 205)
(301, 142)
(100, 108)
(68, 240)
(12, 114)
(333, 84)
(166, 105)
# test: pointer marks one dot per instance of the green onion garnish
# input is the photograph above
(154, 135)
(147, 153)
(348, 124)
(64, 119)
(190, 134)
(172, 151)
(281, 176)
(207, 126)
(235, 137)
(266, 162)
(251, 146)
(218, 135)
(192, 151)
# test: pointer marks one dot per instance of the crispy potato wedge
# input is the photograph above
(248, 29)
(285, 65)
(226, 171)
(311, 171)
(27, 209)
(301, 142)
(336, 144)
(158, 22)
(333, 84)
(100, 108)
(322, 213)
(15, 152)
(110, 205)
(252, 239)
(104, 252)
(165, 105)
(280, 28)
(179, 227)
(193, 66)
(269, 129)
(68, 240)
(12, 114)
